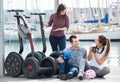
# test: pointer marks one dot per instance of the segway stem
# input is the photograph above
(42, 30)
(42, 34)
(18, 22)
(20, 38)
(28, 35)
(31, 42)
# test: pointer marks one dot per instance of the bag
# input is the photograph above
(89, 74)
(23, 31)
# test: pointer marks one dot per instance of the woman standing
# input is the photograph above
(60, 24)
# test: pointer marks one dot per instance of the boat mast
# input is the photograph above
(56, 2)
(1, 39)
(118, 11)
(98, 14)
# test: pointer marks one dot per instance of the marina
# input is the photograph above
(87, 18)
(90, 32)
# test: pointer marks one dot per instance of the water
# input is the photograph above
(114, 57)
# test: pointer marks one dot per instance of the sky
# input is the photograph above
(87, 3)
(49, 4)
(29, 4)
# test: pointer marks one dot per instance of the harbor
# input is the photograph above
(88, 20)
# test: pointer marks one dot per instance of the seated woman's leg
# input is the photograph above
(102, 72)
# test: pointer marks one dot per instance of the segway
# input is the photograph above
(32, 67)
(42, 54)
(14, 62)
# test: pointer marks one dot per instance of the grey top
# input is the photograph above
(76, 55)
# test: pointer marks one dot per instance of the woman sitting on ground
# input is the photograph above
(97, 58)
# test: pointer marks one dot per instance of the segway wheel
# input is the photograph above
(42, 54)
(55, 54)
(49, 62)
(37, 55)
(31, 67)
(13, 64)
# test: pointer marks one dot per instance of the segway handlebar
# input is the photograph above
(38, 13)
(21, 17)
(14, 10)
(26, 16)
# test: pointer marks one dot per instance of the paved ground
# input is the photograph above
(114, 76)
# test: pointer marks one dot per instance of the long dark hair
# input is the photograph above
(60, 8)
(105, 42)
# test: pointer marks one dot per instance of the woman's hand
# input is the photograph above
(95, 54)
(60, 59)
(60, 29)
(90, 50)
(45, 24)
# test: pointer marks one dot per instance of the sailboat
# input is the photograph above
(90, 29)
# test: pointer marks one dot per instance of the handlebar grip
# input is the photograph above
(38, 13)
(26, 16)
(14, 10)
(17, 16)
(42, 13)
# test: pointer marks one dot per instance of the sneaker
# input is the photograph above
(80, 75)
(57, 76)
(69, 76)
(66, 76)
(62, 77)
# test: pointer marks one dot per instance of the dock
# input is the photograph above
(113, 76)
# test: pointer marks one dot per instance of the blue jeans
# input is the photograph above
(65, 68)
(57, 43)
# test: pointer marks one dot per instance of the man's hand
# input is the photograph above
(60, 60)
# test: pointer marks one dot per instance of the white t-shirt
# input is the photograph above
(93, 61)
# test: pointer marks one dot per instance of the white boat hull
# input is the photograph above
(113, 35)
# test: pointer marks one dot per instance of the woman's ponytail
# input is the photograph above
(107, 47)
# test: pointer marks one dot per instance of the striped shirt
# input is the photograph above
(60, 22)
(76, 55)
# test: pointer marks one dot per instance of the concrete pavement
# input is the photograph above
(114, 76)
